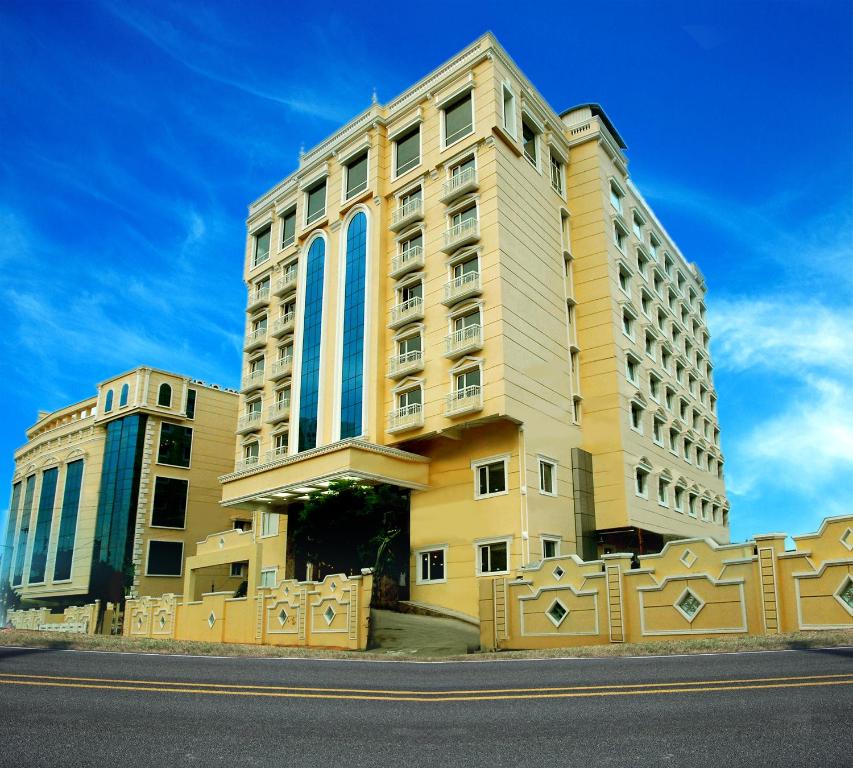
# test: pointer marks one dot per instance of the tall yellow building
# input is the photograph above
(111, 494)
(461, 293)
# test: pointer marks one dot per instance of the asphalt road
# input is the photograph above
(77, 708)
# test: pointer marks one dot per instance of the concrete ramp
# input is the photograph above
(407, 634)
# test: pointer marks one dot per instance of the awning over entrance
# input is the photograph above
(291, 477)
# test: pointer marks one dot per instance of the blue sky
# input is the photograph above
(134, 136)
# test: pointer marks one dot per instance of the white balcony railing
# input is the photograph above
(461, 287)
(407, 417)
(281, 367)
(411, 258)
(278, 452)
(247, 462)
(407, 213)
(278, 411)
(283, 324)
(256, 338)
(465, 400)
(258, 297)
(464, 340)
(260, 257)
(464, 232)
(459, 184)
(249, 422)
(252, 380)
(286, 282)
(407, 311)
(408, 362)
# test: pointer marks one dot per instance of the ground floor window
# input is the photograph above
(431, 564)
(493, 557)
(268, 578)
(550, 547)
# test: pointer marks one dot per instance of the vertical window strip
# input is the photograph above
(312, 325)
(352, 385)
(68, 521)
(24, 533)
(38, 562)
(10, 533)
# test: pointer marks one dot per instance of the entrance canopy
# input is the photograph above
(291, 478)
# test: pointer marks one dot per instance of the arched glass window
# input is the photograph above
(165, 395)
(122, 398)
(312, 323)
(353, 335)
(108, 401)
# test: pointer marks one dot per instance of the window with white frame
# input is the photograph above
(646, 303)
(663, 491)
(550, 546)
(654, 244)
(632, 368)
(547, 477)
(458, 119)
(287, 224)
(620, 236)
(262, 247)
(691, 504)
(490, 478)
(654, 387)
(637, 225)
(625, 282)
(279, 443)
(643, 264)
(529, 140)
(556, 173)
(637, 416)
(267, 578)
(673, 440)
(509, 110)
(616, 196)
(251, 452)
(679, 499)
(431, 565)
(409, 347)
(649, 344)
(669, 398)
(269, 523)
(657, 430)
(410, 400)
(688, 449)
(461, 217)
(407, 151)
(641, 481)
(493, 557)
(356, 175)
(628, 322)
(315, 207)
(464, 168)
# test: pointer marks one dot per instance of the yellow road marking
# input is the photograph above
(391, 697)
(453, 692)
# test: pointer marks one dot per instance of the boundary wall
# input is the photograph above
(82, 619)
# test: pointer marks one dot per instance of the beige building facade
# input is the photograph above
(462, 293)
(110, 495)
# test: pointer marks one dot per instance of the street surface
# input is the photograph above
(758, 709)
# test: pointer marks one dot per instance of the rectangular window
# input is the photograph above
(44, 520)
(658, 431)
(632, 366)
(165, 558)
(619, 236)
(316, 207)
(529, 137)
(490, 479)
(556, 174)
(288, 227)
(458, 119)
(641, 482)
(68, 521)
(262, 247)
(407, 151)
(663, 492)
(637, 224)
(550, 547)
(431, 565)
(493, 557)
(637, 417)
(169, 509)
(509, 111)
(547, 477)
(356, 172)
(238, 570)
(190, 409)
(269, 523)
(175, 445)
(268, 578)
(616, 197)
(410, 399)
(679, 499)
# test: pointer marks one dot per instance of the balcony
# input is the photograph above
(278, 412)
(248, 462)
(249, 422)
(281, 368)
(407, 417)
(258, 298)
(407, 312)
(252, 380)
(463, 341)
(407, 214)
(275, 454)
(255, 339)
(410, 259)
(403, 365)
(462, 287)
(464, 233)
(286, 283)
(459, 185)
(465, 400)
(283, 324)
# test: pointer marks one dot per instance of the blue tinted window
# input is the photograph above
(68, 521)
(108, 403)
(164, 396)
(38, 562)
(24, 533)
(353, 337)
(312, 325)
(122, 398)
(6, 554)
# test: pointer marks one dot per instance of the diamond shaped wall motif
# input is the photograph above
(557, 613)
(688, 558)
(689, 605)
(329, 615)
(162, 621)
(211, 620)
(282, 617)
(558, 573)
(221, 543)
(333, 586)
(847, 538)
(139, 621)
(845, 593)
